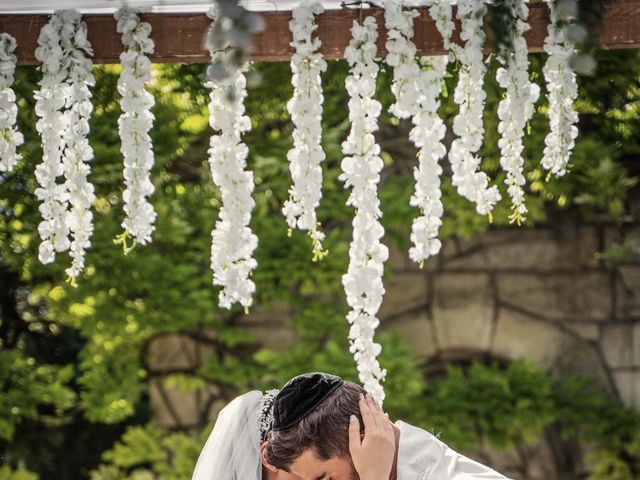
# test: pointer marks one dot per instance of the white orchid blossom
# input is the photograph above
(515, 109)
(361, 172)
(10, 136)
(232, 241)
(134, 125)
(469, 180)
(305, 107)
(63, 104)
(562, 92)
(417, 87)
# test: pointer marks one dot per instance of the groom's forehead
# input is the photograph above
(308, 466)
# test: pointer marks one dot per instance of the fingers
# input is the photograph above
(389, 425)
(382, 419)
(378, 415)
(354, 434)
(367, 411)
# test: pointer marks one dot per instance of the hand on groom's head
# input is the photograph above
(372, 451)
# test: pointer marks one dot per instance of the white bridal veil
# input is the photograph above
(232, 451)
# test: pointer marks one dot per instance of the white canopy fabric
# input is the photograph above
(173, 6)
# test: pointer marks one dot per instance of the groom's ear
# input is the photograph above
(263, 456)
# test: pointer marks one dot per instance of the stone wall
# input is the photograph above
(542, 294)
(511, 293)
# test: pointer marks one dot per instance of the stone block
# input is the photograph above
(548, 345)
(619, 345)
(518, 336)
(636, 344)
(571, 296)
(633, 235)
(468, 255)
(459, 290)
(582, 359)
(628, 385)
(588, 246)
(276, 315)
(515, 248)
(176, 408)
(612, 236)
(273, 337)
(533, 461)
(585, 330)
(417, 331)
(175, 351)
(405, 292)
(628, 292)
(463, 311)
(269, 327)
(398, 258)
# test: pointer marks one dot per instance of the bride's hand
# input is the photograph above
(372, 455)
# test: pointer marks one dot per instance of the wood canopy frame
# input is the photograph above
(179, 38)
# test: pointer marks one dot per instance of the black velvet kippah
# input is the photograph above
(300, 396)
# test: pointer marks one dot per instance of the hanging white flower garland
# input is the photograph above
(10, 137)
(470, 181)
(305, 107)
(417, 94)
(232, 242)
(63, 104)
(134, 125)
(515, 110)
(401, 56)
(562, 92)
(428, 134)
(361, 171)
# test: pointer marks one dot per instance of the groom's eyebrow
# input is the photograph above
(321, 477)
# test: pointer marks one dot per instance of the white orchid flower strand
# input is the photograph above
(134, 125)
(401, 56)
(417, 92)
(428, 134)
(562, 92)
(10, 137)
(469, 180)
(361, 169)
(63, 104)
(232, 241)
(515, 110)
(305, 107)
(78, 153)
(50, 102)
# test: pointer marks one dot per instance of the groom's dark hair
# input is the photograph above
(325, 429)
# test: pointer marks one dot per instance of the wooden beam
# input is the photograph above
(179, 38)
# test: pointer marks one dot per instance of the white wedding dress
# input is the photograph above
(421, 456)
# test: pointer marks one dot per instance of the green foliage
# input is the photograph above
(148, 453)
(7, 474)
(508, 406)
(26, 386)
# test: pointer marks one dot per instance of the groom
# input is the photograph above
(316, 435)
